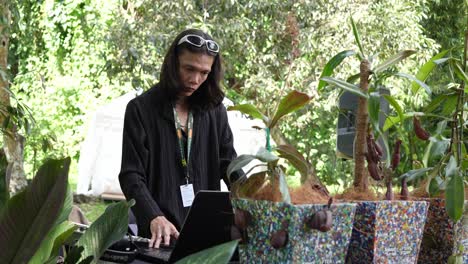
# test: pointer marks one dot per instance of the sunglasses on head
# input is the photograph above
(198, 42)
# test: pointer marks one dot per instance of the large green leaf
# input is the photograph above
(295, 157)
(451, 168)
(455, 190)
(449, 105)
(345, 85)
(249, 110)
(45, 251)
(361, 55)
(435, 102)
(242, 160)
(433, 188)
(435, 149)
(395, 105)
(459, 71)
(393, 60)
(31, 214)
(425, 70)
(4, 179)
(414, 174)
(290, 103)
(214, 255)
(332, 64)
(238, 163)
(109, 227)
(438, 144)
(62, 230)
(391, 121)
(414, 79)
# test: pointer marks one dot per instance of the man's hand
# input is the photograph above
(162, 230)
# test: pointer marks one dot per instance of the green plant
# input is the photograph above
(273, 173)
(367, 117)
(445, 156)
(217, 254)
(33, 224)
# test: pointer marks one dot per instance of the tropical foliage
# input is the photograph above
(34, 223)
(78, 55)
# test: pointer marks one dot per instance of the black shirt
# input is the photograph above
(151, 170)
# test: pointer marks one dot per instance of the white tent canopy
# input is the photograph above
(101, 151)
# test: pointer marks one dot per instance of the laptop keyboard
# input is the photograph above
(156, 253)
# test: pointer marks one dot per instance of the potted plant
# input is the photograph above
(384, 229)
(442, 163)
(274, 223)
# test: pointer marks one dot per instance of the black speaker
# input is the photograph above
(346, 129)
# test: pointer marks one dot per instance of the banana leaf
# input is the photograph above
(30, 215)
(110, 227)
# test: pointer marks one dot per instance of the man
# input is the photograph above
(177, 138)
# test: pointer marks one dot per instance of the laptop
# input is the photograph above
(207, 224)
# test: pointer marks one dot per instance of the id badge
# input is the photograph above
(187, 194)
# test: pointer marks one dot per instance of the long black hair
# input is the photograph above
(209, 94)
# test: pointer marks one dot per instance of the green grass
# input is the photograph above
(93, 209)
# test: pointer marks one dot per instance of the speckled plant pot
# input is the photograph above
(441, 236)
(331, 246)
(304, 244)
(387, 232)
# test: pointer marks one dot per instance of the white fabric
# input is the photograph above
(101, 151)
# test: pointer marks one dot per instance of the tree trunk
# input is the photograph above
(361, 181)
(13, 142)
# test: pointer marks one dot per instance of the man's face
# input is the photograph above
(193, 70)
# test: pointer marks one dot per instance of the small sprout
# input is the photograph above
(404, 189)
(389, 194)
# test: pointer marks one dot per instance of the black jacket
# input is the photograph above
(151, 171)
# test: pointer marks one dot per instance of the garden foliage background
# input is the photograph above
(69, 57)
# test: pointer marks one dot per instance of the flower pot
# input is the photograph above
(303, 244)
(441, 236)
(387, 232)
(330, 246)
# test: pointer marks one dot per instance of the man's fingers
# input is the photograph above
(152, 240)
(175, 233)
(158, 241)
(167, 239)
